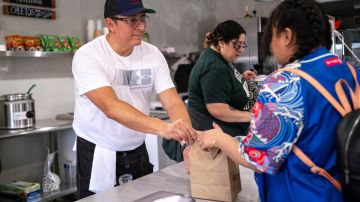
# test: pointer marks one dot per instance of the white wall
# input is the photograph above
(181, 24)
(228, 9)
(54, 92)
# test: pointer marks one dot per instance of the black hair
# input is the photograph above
(224, 31)
(308, 21)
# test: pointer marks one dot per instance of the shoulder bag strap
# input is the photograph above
(356, 99)
(314, 168)
(340, 107)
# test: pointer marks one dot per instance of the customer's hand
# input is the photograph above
(208, 139)
(180, 130)
(249, 75)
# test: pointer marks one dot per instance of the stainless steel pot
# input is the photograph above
(17, 111)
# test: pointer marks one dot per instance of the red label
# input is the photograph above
(332, 61)
(134, 2)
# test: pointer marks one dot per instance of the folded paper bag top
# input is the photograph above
(213, 175)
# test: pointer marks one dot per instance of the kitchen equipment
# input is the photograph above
(17, 111)
(30, 89)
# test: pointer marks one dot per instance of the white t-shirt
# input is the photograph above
(133, 78)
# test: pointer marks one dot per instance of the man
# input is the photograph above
(115, 76)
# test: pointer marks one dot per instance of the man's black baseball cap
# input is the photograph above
(125, 8)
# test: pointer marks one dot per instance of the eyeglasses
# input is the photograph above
(133, 21)
(239, 44)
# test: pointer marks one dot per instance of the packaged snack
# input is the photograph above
(7, 42)
(29, 43)
(21, 189)
(45, 42)
(74, 43)
(65, 43)
(14, 43)
(38, 45)
(54, 43)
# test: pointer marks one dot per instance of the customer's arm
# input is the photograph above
(275, 127)
(226, 113)
(122, 112)
(230, 146)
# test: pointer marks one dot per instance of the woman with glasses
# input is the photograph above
(217, 91)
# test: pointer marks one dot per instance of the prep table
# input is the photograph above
(171, 179)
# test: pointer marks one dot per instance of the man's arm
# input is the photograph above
(122, 112)
(176, 109)
(173, 105)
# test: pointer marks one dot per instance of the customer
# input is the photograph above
(217, 91)
(289, 111)
(115, 77)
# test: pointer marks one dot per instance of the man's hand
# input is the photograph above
(179, 130)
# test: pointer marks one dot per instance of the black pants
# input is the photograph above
(135, 162)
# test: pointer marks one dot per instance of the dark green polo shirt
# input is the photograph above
(214, 80)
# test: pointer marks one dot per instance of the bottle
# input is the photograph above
(67, 174)
(98, 30)
(90, 30)
(70, 172)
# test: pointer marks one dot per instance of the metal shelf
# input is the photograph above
(41, 126)
(33, 54)
(62, 191)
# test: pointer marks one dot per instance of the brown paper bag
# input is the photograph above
(211, 178)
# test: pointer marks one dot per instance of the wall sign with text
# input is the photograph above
(29, 12)
(40, 3)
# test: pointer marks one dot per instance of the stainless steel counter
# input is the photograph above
(41, 126)
(171, 179)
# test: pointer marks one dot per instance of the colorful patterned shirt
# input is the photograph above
(290, 111)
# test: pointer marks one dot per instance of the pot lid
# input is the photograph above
(14, 97)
